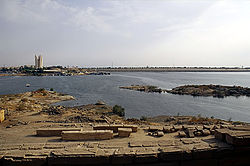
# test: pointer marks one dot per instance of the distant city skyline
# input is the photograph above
(96, 33)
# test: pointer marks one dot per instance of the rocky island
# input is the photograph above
(143, 88)
(219, 91)
(34, 132)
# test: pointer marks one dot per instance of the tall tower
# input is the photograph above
(36, 62)
(40, 62)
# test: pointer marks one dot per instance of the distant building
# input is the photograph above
(38, 62)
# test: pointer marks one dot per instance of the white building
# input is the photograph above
(38, 62)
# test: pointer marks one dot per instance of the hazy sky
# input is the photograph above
(126, 32)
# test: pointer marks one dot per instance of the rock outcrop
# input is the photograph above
(219, 91)
(143, 88)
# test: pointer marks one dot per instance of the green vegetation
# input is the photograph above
(144, 118)
(40, 90)
(118, 110)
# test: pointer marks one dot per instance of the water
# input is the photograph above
(90, 89)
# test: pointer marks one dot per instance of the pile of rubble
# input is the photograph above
(189, 131)
(54, 110)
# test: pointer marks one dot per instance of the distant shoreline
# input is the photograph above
(174, 69)
(108, 70)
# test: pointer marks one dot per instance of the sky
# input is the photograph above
(102, 33)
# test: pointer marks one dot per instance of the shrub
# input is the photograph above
(51, 89)
(24, 100)
(118, 110)
(21, 107)
(144, 118)
(40, 90)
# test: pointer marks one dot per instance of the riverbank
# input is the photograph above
(173, 69)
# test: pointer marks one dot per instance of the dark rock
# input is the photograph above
(218, 91)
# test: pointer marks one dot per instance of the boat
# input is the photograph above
(27, 85)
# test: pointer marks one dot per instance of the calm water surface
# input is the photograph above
(90, 89)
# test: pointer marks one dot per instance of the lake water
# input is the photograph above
(90, 89)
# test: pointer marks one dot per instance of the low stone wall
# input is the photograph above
(115, 127)
(49, 132)
(1, 116)
(87, 135)
(187, 152)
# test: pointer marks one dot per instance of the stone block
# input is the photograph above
(197, 133)
(87, 135)
(167, 129)
(205, 132)
(7, 147)
(54, 146)
(220, 134)
(184, 127)
(190, 132)
(208, 127)
(199, 128)
(146, 158)
(133, 127)
(124, 132)
(155, 128)
(239, 138)
(113, 145)
(241, 128)
(37, 153)
(171, 154)
(146, 155)
(164, 143)
(74, 157)
(115, 127)
(73, 153)
(32, 146)
(177, 127)
(190, 140)
(182, 134)
(1, 116)
(160, 134)
(133, 144)
(123, 156)
(149, 143)
(50, 132)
